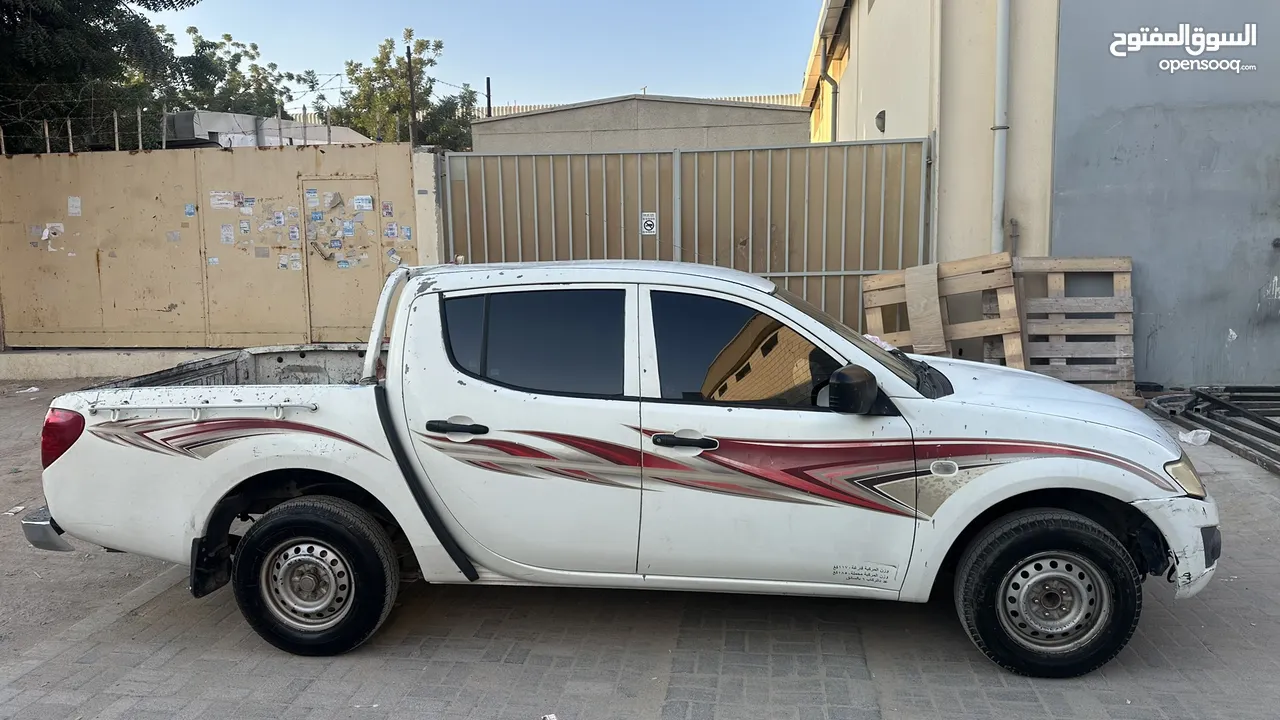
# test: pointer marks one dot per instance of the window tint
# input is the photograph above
(716, 351)
(559, 341)
(465, 319)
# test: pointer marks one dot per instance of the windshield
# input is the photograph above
(877, 353)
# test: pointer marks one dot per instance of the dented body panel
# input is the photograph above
(564, 489)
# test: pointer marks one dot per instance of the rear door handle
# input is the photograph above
(667, 440)
(444, 426)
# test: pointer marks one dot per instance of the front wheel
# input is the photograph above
(1048, 593)
(315, 576)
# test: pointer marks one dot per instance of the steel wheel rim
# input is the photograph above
(1054, 602)
(306, 584)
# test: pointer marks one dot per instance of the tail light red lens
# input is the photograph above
(61, 429)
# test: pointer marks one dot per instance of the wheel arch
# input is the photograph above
(211, 552)
(1139, 535)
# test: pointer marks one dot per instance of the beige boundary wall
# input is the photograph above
(208, 248)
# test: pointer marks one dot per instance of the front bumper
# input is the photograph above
(42, 532)
(1190, 527)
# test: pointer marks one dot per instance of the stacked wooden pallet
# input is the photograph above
(1083, 337)
(922, 296)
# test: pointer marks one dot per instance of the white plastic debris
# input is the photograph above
(878, 341)
(551, 716)
(1194, 437)
(30, 390)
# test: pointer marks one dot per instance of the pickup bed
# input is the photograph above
(631, 425)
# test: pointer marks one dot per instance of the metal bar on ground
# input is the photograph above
(1265, 422)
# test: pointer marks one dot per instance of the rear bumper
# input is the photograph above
(43, 533)
(1190, 527)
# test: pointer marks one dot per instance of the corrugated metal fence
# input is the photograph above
(813, 217)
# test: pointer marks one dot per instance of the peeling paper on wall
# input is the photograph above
(73, 206)
(221, 200)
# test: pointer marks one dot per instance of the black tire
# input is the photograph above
(1091, 572)
(345, 556)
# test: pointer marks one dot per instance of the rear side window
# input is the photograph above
(569, 342)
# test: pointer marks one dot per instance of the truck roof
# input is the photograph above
(527, 273)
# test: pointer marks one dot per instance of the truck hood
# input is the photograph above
(1003, 388)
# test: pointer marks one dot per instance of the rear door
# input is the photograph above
(523, 405)
(747, 474)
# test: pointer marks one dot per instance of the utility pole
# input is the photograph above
(488, 98)
(413, 96)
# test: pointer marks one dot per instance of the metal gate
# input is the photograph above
(814, 218)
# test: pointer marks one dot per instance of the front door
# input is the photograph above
(526, 420)
(747, 474)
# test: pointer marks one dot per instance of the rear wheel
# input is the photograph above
(1048, 593)
(316, 576)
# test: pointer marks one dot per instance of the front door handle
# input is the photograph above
(444, 426)
(667, 440)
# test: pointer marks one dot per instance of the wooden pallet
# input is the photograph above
(1084, 340)
(923, 292)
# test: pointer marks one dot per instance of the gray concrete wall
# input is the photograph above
(1181, 171)
(642, 124)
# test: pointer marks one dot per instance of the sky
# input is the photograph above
(538, 51)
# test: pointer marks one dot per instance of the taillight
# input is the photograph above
(61, 429)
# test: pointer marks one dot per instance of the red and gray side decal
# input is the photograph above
(202, 438)
(876, 475)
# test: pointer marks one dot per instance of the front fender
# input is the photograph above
(936, 535)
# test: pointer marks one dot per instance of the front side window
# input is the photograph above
(716, 351)
(568, 342)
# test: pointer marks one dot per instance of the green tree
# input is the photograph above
(225, 75)
(60, 58)
(377, 105)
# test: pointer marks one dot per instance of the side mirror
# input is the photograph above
(853, 390)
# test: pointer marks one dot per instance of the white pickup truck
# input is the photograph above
(637, 425)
